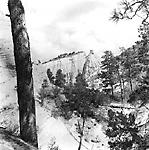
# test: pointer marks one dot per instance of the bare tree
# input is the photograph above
(23, 64)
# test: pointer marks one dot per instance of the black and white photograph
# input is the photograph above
(74, 74)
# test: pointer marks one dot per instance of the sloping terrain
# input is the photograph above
(10, 142)
(48, 128)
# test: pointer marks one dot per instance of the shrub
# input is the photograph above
(123, 133)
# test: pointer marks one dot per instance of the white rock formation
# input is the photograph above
(71, 64)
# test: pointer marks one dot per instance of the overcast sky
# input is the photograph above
(58, 26)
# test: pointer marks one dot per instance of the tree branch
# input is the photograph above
(129, 12)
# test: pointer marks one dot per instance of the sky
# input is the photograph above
(59, 26)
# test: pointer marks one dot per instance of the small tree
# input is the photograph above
(60, 78)
(52, 145)
(79, 103)
(45, 84)
(50, 76)
(44, 91)
(143, 46)
(123, 133)
(141, 93)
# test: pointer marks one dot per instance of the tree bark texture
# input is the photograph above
(27, 117)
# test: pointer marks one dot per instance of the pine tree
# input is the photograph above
(45, 84)
(123, 133)
(143, 46)
(60, 79)
(80, 102)
(120, 76)
(26, 101)
(50, 76)
(129, 64)
(108, 66)
(141, 93)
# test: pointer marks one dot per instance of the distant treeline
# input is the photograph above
(63, 56)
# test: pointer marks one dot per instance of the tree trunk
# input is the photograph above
(130, 81)
(112, 90)
(27, 117)
(121, 91)
(130, 85)
(80, 143)
(81, 133)
(121, 87)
